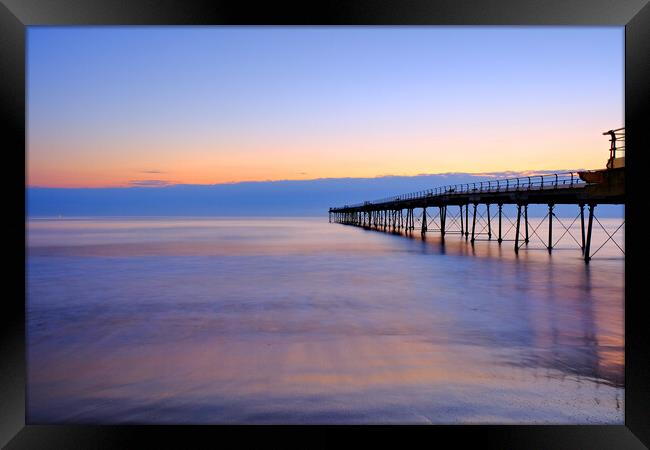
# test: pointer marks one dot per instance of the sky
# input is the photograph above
(157, 106)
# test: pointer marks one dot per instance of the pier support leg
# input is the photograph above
(582, 227)
(473, 223)
(462, 230)
(466, 221)
(550, 228)
(443, 220)
(500, 239)
(526, 220)
(517, 233)
(424, 221)
(487, 205)
(589, 226)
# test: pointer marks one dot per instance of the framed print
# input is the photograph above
(276, 222)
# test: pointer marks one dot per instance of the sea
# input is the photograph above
(295, 320)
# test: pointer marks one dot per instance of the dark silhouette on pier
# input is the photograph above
(585, 189)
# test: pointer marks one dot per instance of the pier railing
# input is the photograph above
(526, 183)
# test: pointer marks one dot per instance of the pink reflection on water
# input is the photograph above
(298, 320)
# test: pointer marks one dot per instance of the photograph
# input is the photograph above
(325, 225)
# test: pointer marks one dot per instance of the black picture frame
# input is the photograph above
(16, 15)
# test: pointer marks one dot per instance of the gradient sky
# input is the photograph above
(122, 106)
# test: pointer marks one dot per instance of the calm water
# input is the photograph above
(301, 321)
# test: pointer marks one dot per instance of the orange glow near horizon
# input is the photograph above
(357, 157)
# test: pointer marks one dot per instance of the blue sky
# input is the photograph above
(121, 106)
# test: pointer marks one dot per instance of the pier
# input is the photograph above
(454, 209)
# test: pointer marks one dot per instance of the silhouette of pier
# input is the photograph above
(461, 203)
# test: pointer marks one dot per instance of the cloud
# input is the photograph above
(150, 183)
(151, 171)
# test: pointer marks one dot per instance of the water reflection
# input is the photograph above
(297, 320)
